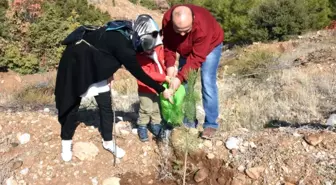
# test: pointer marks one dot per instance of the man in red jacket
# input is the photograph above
(194, 33)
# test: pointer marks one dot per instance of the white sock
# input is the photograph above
(66, 150)
(114, 149)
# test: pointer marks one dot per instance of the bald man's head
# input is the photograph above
(182, 18)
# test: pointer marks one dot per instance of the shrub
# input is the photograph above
(87, 14)
(37, 94)
(332, 6)
(39, 31)
(17, 61)
(280, 18)
(251, 64)
(318, 12)
(3, 9)
(45, 35)
(233, 17)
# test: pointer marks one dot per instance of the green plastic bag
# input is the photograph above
(173, 113)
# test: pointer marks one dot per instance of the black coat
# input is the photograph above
(82, 65)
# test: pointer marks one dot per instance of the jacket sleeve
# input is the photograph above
(156, 76)
(125, 53)
(198, 55)
(169, 50)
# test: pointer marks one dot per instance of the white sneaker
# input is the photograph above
(114, 149)
(66, 150)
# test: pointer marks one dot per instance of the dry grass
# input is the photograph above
(124, 83)
(252, 63)
(293, 95)
(41, 93)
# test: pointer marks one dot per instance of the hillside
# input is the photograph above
(126, 9)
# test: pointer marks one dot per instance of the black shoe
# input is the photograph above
(156, 130)
(142, 133)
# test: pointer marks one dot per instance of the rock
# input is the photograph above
(234, 152)
(17, 78)
(23, 138)
(246, 144)
(291, 179)
(207, 143)
(255, 172)
(201, 175)
(232, 143)
(16, 165)
(236, 182)
(14, 144)
(24, 171)
(112, 181)
(193, 131)
(22, 182)
(328, 183)
(241, 168)
(314, 139)
(331, 120)
(85, 150)
(242, 149)
(11, 181)
(124, 132)
(210, 156)
(162, 4)
(46, 110)
(219, 143)
(94, 181)
(288, 183)
(252, 145)
(295, 134)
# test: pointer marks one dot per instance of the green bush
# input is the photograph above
(278, 19)
(17, 61)
(45, 35)
(87, 14)
(41, 37)
(262, 20)
(318, 13)
(234, 18)
(3, 9)
(332, 6)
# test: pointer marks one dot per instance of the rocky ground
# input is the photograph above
(30, 154)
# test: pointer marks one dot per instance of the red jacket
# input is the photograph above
(205, 35)
(151, 67)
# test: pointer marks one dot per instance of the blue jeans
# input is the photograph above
(209, 87)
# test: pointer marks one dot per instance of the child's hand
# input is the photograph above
(168, 79)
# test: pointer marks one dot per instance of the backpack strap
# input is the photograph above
(122, 26)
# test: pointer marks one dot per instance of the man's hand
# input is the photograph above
(171, 71)
(174, 84)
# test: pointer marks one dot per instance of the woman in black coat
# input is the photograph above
(83, 71)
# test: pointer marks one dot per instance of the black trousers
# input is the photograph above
(69, 121)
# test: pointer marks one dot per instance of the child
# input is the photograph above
(152, 62)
